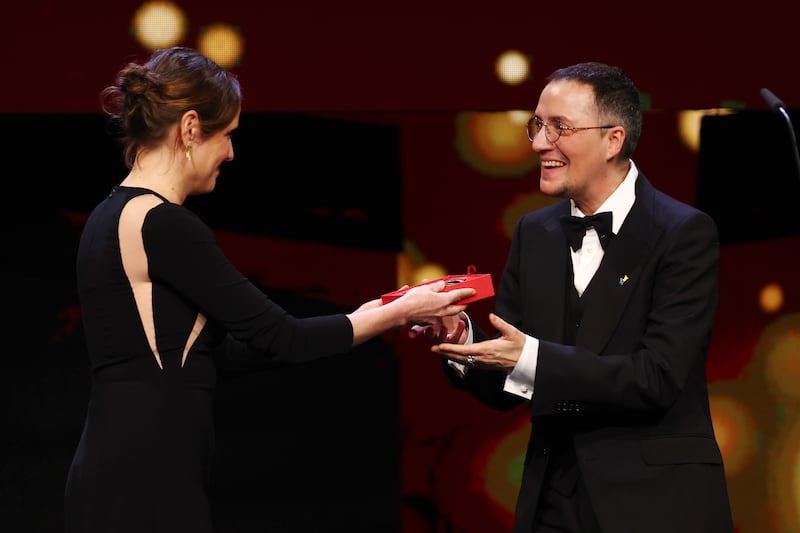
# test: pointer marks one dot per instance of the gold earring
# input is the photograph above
(188, 152)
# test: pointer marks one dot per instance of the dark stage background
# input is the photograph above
(350, 173)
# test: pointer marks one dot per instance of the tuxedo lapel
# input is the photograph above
(607, 294)
(549, 277)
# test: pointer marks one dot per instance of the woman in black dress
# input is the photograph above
(160, 301)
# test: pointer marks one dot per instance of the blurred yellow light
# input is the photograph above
(519, 117)
(405, 269)
(512, 67)
(784, 481)
(427, 272)
(159, 24)
(689, 122)
(770, 297)
(222, 43)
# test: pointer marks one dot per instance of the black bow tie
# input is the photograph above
(575, 228)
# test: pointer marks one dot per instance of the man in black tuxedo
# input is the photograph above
(605, 339)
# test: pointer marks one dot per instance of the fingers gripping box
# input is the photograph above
(482, 283)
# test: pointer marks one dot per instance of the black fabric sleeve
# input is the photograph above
(183, 253)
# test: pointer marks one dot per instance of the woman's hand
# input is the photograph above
(452, 329)
(429, 304)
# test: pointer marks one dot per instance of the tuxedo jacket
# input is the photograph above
(632, 392)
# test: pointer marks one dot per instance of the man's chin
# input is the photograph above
(552, 189)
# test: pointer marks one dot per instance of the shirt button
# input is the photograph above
(524, 389)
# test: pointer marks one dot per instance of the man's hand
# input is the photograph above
(500, 353)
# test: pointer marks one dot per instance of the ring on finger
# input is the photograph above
(470, 361)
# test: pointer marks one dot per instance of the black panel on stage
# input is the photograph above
(294, 176)
(747, 177)
(311, 179)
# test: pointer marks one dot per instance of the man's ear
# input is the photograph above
(616, 138)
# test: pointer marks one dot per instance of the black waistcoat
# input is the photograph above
(562, 472)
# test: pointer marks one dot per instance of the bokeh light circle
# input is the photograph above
(512, 67)
(780, 348)
(405, 269)
(159, 24)
(222, 43)
(736, 432)
(504, 459)
(784, 485)
(519, 206)
(770, 297)
(495, 143)
(427, 271)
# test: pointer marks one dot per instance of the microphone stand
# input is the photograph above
(777, 105)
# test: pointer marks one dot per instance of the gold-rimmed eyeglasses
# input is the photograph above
(555, 129)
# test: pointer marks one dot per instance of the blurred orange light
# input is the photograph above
(221, 43)
(770, 297)
(736, 431)
(495, 143)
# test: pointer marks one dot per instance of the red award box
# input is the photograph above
(482, 283)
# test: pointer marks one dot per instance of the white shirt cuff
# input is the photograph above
(520, 380)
